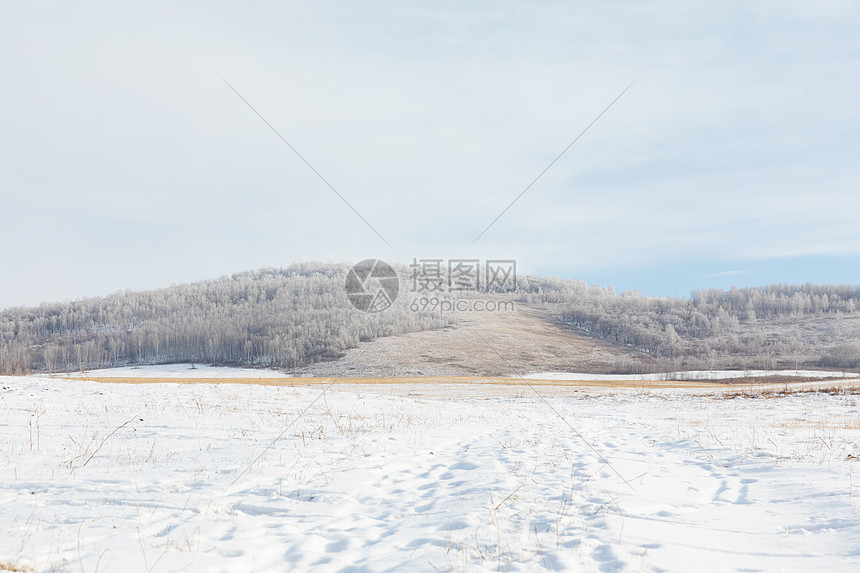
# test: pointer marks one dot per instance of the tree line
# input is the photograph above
(762, 327)
(285, 318)
(279, 318)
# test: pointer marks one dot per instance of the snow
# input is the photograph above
(690, 375)
(226, 477)
(178, 371)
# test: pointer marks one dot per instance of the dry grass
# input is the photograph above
(788, 390)
(9, 566)
(838, 424)
(430, 380)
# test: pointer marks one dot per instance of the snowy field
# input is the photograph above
(204, 371)
(223, 477)
(179, 371)
(691, 375)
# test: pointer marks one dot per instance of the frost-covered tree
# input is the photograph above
(270, 317)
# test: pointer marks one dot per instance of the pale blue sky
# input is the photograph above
(125, 162)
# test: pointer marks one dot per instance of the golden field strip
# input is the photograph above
(476, 381)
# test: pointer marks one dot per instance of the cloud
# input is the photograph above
(127, 163)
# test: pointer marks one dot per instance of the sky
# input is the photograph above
(127, 162)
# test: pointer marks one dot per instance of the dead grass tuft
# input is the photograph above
(9, 566)
(781, 392)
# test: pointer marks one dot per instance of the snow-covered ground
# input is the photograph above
(178, 371)
(691, 375)
(204, 477)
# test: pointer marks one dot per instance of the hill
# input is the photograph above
(279, 318)
(299, 319)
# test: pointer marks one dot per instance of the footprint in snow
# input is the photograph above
(337, 546)
(425, 507)
(464, 465)
(454, 525)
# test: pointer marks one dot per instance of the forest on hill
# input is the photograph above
(287, 318)
(785, 326)
(279, 318)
